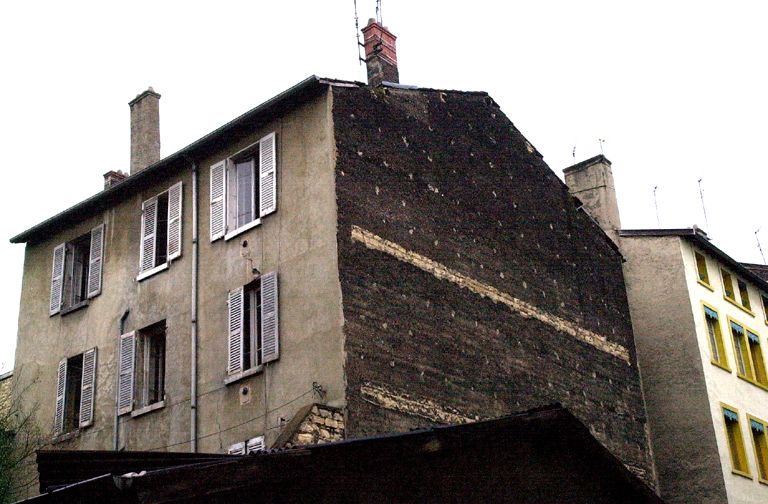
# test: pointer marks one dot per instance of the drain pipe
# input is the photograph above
(116, 432)
(193, 378)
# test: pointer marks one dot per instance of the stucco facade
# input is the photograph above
(687, 385)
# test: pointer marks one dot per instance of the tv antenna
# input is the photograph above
(758, 245)
(379, 18)
(602, 141)
(360, 59)
(656, 205)
(574, 154)
(704, 208)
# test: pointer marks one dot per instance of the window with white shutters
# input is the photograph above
(161, 231)
(76, 274)
(141, 383)
(252, 445)
(75, 392)
(253, 325)
(243, 189)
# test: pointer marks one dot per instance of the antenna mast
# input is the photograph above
(379, 18)
(704, 208)
(758, 245)
(656, 205)
(601, 145)
(360, 59)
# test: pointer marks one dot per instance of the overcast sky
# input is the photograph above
(677, 89)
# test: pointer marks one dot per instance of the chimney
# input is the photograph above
(380, 54)
(592, 182)
(145, 130)
(112, 178)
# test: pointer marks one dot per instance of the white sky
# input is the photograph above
(679, 91)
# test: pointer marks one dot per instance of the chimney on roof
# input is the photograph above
(380, 54)
(112, 178)
(591, 181)
(145, 130)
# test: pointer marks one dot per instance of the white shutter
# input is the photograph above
(267, 175)
(88, 388)
(218, 214)
(57, 279)
(174, 220)
(270, 347)
(235, 318)
(148, 234)
(125, 380)
(237, 449)
(96, 260)
(61, 390)
(254, 444)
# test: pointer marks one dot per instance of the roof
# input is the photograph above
(760, 270)
(289, 98)
(541, 455)
(700, 238)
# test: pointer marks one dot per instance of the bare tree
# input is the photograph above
(19, 439)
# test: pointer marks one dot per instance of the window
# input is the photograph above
(253, 325)
(760, 444)
(728, 286)
(744, 295)
(75, 385)
(141, 384)
(701, 267)
(76, 271)
(243, 189)
(160, 231)
(765, 307)
(715, 336)
(252, 445)
(735, 441)
(749, 356)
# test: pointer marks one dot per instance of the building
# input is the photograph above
(700, 321)
(401, 254)
(539, 456)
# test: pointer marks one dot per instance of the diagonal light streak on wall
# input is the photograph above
(525, 309)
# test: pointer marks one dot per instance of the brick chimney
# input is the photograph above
(145, 130)
(592, 182)
(112, 178)
(380, 54)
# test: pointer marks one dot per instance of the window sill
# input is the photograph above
(73, 308)
(753, 382)
(67, 436)
(149, 273)
(740, 307)
(705, 284)
(721, 366)
(242, 229)
(148, 409)
(243, 374)
(742, 474)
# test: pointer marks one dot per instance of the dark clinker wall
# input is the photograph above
(447, 175)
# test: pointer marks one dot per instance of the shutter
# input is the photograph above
(235, 318)
(61, 390)
(148, 225)
(88, 386)
(218, 215)
(125, 380)
(174, 221)
(270, 348)
(267, 175)
(57, 279)
(254, 444)
(96, 259)
(237, 449)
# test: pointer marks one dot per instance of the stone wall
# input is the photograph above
(472, 287)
